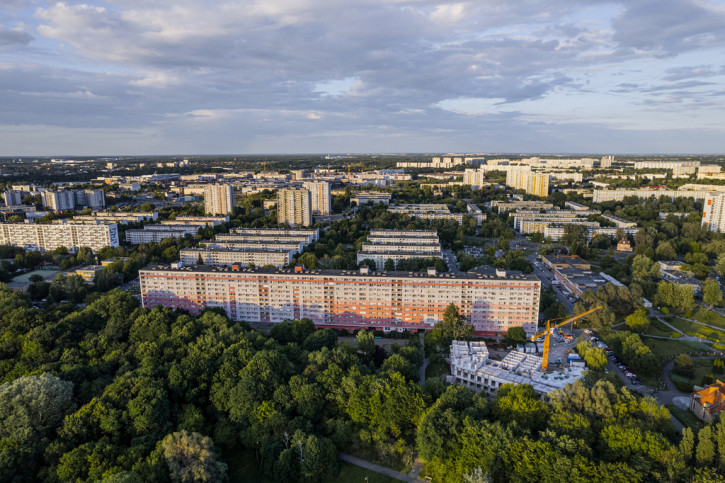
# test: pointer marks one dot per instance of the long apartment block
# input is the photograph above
(600, 196)
(225, 243)
(45, 237)
(156, 233)
(492, 301)
(395, 245)
(313, 233)
(278, 257)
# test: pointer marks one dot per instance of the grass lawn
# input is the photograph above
(710, 317)
(685, 417)
(47, 275)
(659, 329)
(693, 327)
(702, 367)
(670, 348)
(436, 369)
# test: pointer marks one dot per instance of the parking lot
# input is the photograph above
(628, 377)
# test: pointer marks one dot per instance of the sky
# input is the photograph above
(139, 77)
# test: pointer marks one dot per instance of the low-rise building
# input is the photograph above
(619, 222)
(374, 197)
(89, 273)
(709, 402)
(565, 261)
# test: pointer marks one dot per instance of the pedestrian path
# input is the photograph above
(375, 468)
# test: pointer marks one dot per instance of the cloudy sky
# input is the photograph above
(317, 76)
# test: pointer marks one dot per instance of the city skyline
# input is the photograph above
(283, 76)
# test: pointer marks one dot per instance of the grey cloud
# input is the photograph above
(699, 71)
(15, 36)
(666, 29)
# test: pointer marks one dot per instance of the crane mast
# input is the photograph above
(547, 333)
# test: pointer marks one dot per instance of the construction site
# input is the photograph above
(473, 366)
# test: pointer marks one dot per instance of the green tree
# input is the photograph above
(712, 293)
(452, 327)
(638, 321)
(665, 251)
(683, 366)
(705, 451)
(389, 265)
(515, 335)
(309, 260)
(191, 457)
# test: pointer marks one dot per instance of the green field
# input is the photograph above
(694, 328)
(46, 274)
(657, 328)
(671, 348)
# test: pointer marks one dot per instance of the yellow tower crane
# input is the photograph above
(547, 333)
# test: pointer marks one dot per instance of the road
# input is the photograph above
(375, 468)
(546, 276)
(450, 258)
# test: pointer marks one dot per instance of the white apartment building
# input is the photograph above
(48, 237)
(619, 222)
(427, 211)
(374, 197)
(537, 184)
(713, 213)
(505, 206)
(312, 233)
(72, 199)
(301, 240)
(491, 302)
(156, 233)
(219, 199)
(665, 164)
(13, 197)
(601, 196)
(294, 206)
(286, 244)
(116, 217)
(260, 257)
(320, 196)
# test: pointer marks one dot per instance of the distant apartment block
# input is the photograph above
(444, 162)
(313, 234)
(665, 164)
(601, 196)
(228, 243)
(115, 217)
(73, 199)
(606, 162)
(374, 197)
(156, 233)
(428, 211)
(384, 245)
(491, 302)
(320, 196)
(294, 207)
(47, 237)
(219, 199)
(713, 214)
(505, 206)
(619, 222)
(13, 198)
(259, 257)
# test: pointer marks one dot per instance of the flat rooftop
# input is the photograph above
(480, 274)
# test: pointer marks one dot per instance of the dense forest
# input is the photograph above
(114, 392)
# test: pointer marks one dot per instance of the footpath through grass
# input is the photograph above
(697, 330)
(710, 317)
(659, 329)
